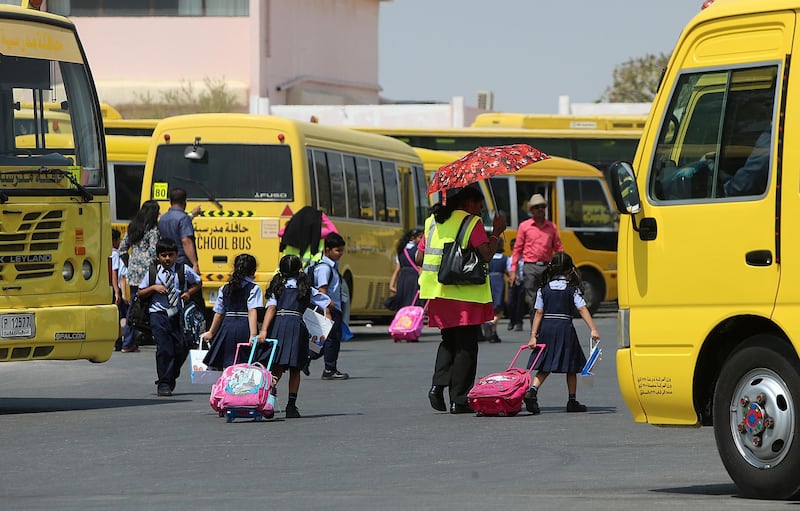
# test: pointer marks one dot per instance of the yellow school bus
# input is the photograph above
(709, 317)
(597, 147)
(56, 240)
(130, 127)
(250, 173)
(126, 158)
(578, 202)
(570, 122)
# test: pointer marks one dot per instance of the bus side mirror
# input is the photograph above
(622, 182)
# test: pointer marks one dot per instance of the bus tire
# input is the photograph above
(757, 392)
(593, 290)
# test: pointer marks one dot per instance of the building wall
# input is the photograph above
(318, 49)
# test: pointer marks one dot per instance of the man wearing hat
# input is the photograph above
(537, 241)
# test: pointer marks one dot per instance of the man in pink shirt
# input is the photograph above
(537, 241)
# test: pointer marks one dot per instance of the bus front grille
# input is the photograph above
(28, 247)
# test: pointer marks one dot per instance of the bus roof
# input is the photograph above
(581, 122)
(232, 123)
(133, 127)
(500, 131)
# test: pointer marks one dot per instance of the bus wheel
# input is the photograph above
(756, 418)
(593, 290)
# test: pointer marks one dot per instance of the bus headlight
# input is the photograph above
(67, 271)
(86, 269)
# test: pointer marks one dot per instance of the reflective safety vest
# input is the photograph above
(436, 236)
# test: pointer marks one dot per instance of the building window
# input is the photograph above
(111, 8)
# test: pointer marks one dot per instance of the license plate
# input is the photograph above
(17, 325)
(212, 296)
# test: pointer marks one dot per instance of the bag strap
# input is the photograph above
(413, 264)
(462, 231)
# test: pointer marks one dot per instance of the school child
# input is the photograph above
(235, 314)
(166, 294)
(516, 296)
(552, 326)
(289, 294)
(118, 297)
(326, 278)
(497, 275)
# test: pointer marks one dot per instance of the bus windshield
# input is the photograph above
(50, 130)
(226, 171)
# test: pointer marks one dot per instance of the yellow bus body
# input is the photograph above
(126, 159)
(709, 307)
(54, 251)
(597, 147)
(587, 222)
(130, 127)
(273, 168)
(572, 122)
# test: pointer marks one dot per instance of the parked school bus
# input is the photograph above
(56, 231)
(597, 147)
(558, 122)
(126, 158)
(250, 173)
(709, 249)
(578, 203)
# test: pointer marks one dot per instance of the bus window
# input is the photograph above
(323, 181)
(351, 182)
(336, 172)
(586, 204)
(378, 188)
(365, 188)
(724, 123)
(127, 189)
(421, 191)
(391, 192)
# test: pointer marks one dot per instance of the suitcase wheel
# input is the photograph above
(501, 414)
(258, 417)
(221, 413)
(269, 415)
(229, 416)
(479, 414)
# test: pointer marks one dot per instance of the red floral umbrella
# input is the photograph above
(483, 163)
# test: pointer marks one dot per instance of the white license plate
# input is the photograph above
(212, 296)
(17, 325)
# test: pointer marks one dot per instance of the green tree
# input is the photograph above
(636, 80)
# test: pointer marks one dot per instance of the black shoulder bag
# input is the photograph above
(461, 265)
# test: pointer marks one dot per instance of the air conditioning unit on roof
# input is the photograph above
(485, 99)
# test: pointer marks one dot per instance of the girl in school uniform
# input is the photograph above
(289, 294)
(405, 279)
(497, 283)
(552, 326)
(235, 314)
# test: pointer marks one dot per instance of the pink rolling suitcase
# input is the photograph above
(501, 394)
(408, 322)
(243, 390)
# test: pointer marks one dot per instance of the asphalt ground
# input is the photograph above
(82, 436)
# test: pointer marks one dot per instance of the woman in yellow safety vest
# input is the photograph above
(458, 310)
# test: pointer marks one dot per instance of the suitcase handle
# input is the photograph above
(253, 351)
(525, 347)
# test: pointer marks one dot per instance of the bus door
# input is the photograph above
(710, 225)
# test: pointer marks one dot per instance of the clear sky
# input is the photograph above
(528, 52)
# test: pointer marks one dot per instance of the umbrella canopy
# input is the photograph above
(483, 163)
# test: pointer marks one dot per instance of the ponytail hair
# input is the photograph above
(290, 267)
(561, 264)
(243, 266)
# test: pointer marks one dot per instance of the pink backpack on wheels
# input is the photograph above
(501, 393)
(408, 322)
(243, 390)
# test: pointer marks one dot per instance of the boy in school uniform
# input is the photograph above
(326, 279)
(167, 294)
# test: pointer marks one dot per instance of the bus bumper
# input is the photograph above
(64, 333)
(627, 385)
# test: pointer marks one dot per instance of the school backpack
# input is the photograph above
(139, 309)
(194, 324)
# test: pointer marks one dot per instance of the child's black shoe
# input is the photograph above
(292, 412)
(574, 406)
(532, 402)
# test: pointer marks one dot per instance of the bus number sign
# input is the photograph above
(17, 325)
(160, 191)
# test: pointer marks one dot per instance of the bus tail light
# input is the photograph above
(281, 137)
(80, 249)
(623, 328)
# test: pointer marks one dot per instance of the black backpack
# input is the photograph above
(139, 309)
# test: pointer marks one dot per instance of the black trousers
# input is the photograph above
(516, 303)
(171, 348)
(330, 349)
(457, 361)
